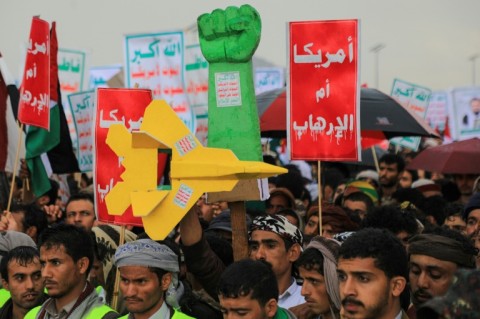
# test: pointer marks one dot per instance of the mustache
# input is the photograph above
(353, 301)
(132, 299)
(421, 292)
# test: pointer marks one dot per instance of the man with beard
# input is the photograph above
(434, 258)
(66, 256)
(22, 277)
(372, 272)
(465, 183)
(248, 289)
(317, 268)
(391, 169)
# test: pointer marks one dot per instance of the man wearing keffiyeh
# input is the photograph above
(149, 280)
(276, 241)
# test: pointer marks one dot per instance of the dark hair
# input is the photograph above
(360, 197)
(249, 277)
(77, 241)
(32, 216)
(24, 255)
(454, 209)
(312, 258)
(391, 158)
(391, 218)
(379, 244)
(412, 195)
(434, 206)
(81, 196)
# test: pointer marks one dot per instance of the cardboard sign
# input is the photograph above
(34, 105)
(323, 90)
(82, 107)
(416, 98)
(116, 106)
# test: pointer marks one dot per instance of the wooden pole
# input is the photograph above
(239, 230)
(15, 167)
(117, 274)
(319, 181)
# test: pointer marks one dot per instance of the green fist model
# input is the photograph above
(230, 35)
(228, 39)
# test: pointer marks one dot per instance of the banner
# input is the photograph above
(156, 61)
(34, 106)
(268, 78)
(124, 106)
(323, 90)
(437, 113)
(416, 98)
(465, 112)
(101, 74)
(82, 107)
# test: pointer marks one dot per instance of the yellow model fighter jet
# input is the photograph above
(194, 170)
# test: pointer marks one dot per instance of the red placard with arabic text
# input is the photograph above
(124, 106)
(323, 101)
(34, 106)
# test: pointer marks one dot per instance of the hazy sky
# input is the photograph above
(427, 42)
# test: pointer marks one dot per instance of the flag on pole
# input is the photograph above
(40, 140)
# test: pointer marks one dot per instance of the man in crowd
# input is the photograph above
(147, 271)
(248, 289)
(66, 256)
(275, 240)
(391, 168)
(80, 211)
(22, 277)
(372, 272)
(272, 239)
(317, 269)
(434, 258)
(465, 183)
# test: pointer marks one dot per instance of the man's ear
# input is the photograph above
(294, 252)
(83, 264)
(271, 308)
(32, 231)
(166, 280)
(5, 284)
(398, 285)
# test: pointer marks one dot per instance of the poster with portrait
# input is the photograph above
(465, 112)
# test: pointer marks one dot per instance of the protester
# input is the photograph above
(433, 258)
(391, 168)
(9, 240)
(30, 219)
(400, 222)
(280, 199)
(66, 255)
(149, 280)
(454, 219)
(360, 197)
(372, 271)
(465, 183)
(275, 240)
(317, 269)
(471, 214)
(80, 211)
(248, 289)
(22, 277)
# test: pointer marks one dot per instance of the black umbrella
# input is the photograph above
(380, 116)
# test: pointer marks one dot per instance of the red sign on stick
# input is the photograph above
(34, 106)
(116, 106)
(324, 94)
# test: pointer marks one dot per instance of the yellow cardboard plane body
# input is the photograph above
(194, 169)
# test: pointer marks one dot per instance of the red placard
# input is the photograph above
(34, 106)
(125, 106)
(323, 100)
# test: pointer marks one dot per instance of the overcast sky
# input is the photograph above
(427, 42)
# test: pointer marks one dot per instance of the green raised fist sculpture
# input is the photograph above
(228, 40)
(230, 35)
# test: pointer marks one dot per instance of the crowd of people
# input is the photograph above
(392, 243)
